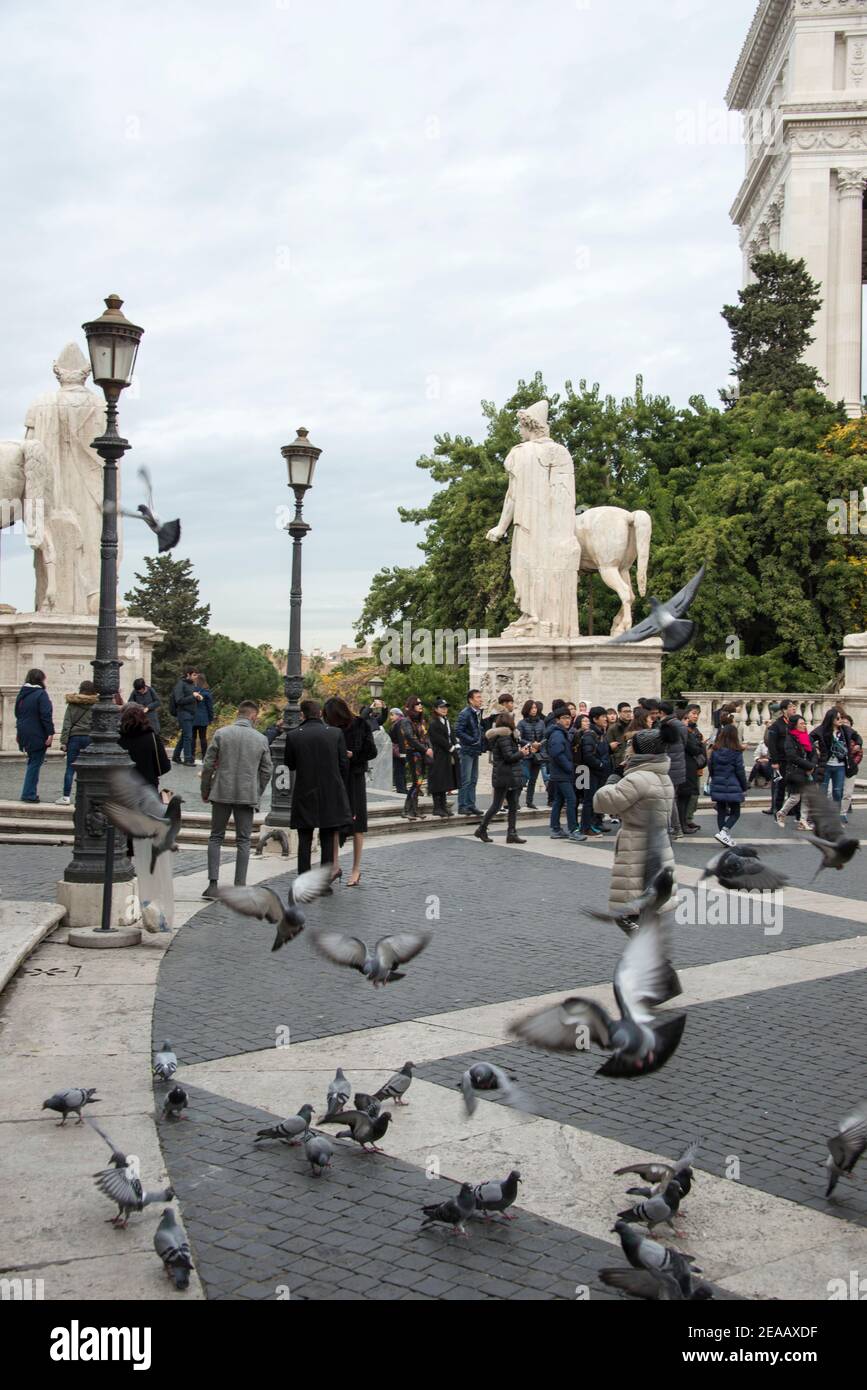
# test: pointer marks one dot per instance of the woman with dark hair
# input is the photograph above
(856, 754)
(531, 731)
(728, 778)
(203, 715)
(414, 746)
(75, 734)
(832, 739)
(360, 750)
(802, 760)
(145, 747)
(507, 777)
(443, 776)
(34, 727)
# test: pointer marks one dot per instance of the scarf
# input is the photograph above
(802, 737)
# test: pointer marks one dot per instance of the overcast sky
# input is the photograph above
(362, 218)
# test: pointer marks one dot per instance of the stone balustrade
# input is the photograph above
(755, 713)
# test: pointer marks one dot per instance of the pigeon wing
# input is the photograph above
(644, 975)
(752, 874)
(129, 788)
(682, 601)
(668, 1033)
(823, 813)
(643, 1283)
(120, 1187)
(398, 949)
(115, 1151)
(341, 949)
(307, 887)
(144, 478)
(648, 628)
(488, 1192)
(136, 824)
(556, 1029)
(262, 903)
(848, 1145)
(469, 1093)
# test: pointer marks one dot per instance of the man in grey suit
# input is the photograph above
(235, 772)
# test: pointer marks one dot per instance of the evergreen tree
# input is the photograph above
(771, 327)
(167, 594)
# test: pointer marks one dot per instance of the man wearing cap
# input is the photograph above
(442, 774)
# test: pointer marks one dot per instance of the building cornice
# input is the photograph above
(828, 125)
(766, 24)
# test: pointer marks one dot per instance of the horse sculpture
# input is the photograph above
(611, 540)
(27, 497)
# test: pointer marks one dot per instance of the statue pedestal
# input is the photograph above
(575, 668)
(63, 647)
(854, 692)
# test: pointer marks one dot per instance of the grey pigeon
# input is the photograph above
(830, 839)
(264, 904)
(640, 1041)
(654, 1284)
(70, 1102)
(176, 1103)
(454, 1212)
(846, 1146)
(497, 1196)
(484, 1076)
(655, 1211)
(660, 1174)
(377, 964)
(666, 1264)
(339, 1091)
(742, 868)
(318, 1153)
(168, 533)
(122, 1183)
(293, 1130)
(363, 1128)
(396, 1086)
(271, 832)
(165, 1062)
(173, 1249)
(362, 1101)
(135, 807)
(668, 620)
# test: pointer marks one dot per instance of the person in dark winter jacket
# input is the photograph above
(561, 774)
(75, 734)
(728, 781)
(144, 746)
(673, 733)
(470, 733)
(832, 739)
(507, 777)
(695, 760)
(802, 760)
(145, 695)
(615, 735)
(776, 741)
(531, 731)
(203, 714)
(34, 727)
(595, 759)
(444, 774)
(414, 745)
(360, 750)
(184, 702)
(316, 754)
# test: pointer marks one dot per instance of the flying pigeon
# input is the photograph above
(377, 964)
(362, 1101)
(847, 1146)
(264, 903)
(363, 1128)
(175, 1104)
(271, 832)
(70, 1102)
(640, 1041)
(165, 1062)
(484, 1076)
(742, 868)
(136, 808)
(655, 1211)
(294, 1130)
(396, 1086)
(497, 1196)
(667, 620)
(168, 533)
(666, 1266)
(122, 1184)
(173, 1249)
(660, 1174)
(454, 1212)
(318, 1153)
(337, 1096)
(830, 839)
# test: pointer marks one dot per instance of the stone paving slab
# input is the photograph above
(22, 926)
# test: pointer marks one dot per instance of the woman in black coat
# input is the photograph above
(442, 777)
(532, 731)
(802, 760)
(507, 777)
(360, 750)
(414, 746)
(145, 747)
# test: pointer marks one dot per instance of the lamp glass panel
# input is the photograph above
(300, 470)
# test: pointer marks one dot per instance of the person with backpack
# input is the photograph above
(34, 727)
(183, 702)
(75, 734)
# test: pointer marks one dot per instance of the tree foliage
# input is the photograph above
(771, 327)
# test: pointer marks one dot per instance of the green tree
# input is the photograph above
(238, 672)
(772, 327)
(167, 594)
(429, 683)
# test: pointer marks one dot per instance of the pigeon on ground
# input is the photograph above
(264, 904)
(293, 1130)
(497, 1196)
(318, 1153)
(173, 1249)
(454, 1212)
(640, 1041)
(659, 1175)
(70, 1102)
(378, 964)
(176, 1103)
(654, 1284)
(168, 533)
(655, 1211)
(846, 1146)
(648, 1256)
(271, 832)
(484, 1076)
(667, 620)
(830, 839)
(369, 1104)
(363, 1128)
(153, 919)
(742, 868)
(339, 1091)
(135, 807)
(122, 1183)
(396, 1086)
(165, 1062)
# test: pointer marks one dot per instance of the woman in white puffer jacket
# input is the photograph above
(642, 799)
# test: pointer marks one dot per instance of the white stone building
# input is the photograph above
(801, 85)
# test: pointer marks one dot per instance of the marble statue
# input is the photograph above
(65, 422)
(26, 500)
(540, 508)
(611, 540)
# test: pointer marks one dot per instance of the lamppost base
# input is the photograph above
(83, 903)
(94, 939)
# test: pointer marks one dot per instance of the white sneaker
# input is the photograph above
(781, 820)
(63, 801)
(724, 838)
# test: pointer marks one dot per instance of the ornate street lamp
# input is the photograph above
(376, 685)
(301, 456)
(98, 856)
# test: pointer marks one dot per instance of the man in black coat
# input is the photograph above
(594, 757)
(316, 753)
(776, 742)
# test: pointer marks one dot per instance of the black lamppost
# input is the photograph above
(300, 458)
(376, 685)
(98, 856)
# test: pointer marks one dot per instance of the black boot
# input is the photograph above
(513, 838)
(481, 834)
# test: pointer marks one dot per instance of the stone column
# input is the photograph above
(775, 217)
(847, 377)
